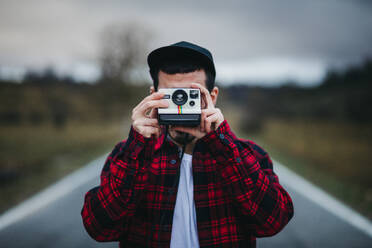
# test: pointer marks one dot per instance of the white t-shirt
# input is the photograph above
(184, 228)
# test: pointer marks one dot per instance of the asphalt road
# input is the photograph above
(59, 224)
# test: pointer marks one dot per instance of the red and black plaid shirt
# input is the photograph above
(237, 195)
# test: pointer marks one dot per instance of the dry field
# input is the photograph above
(335, 156)
(32, 157)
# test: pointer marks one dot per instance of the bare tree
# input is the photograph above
(123, 48)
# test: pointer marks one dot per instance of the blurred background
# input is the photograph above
(295, 77)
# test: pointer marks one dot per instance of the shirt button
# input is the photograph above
(173, 161)
(238, 160)
(222, 136)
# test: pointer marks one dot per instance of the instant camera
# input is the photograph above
(184, 107)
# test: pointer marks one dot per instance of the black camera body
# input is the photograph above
(184, 107)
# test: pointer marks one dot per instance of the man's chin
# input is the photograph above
(181, 138)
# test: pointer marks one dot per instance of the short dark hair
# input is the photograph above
(176, 65)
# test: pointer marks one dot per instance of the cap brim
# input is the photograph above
(156, 57)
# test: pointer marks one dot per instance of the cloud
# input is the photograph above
(38, 33)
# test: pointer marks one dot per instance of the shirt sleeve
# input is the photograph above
(247, 172)
(107, 207)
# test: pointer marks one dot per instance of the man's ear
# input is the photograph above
(214, 95)
(152, 90)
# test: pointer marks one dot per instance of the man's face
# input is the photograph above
(181, 80)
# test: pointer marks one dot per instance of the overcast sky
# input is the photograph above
(256, 41)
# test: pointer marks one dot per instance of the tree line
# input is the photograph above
(343, 96)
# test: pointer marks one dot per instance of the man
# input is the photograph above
(185, 186)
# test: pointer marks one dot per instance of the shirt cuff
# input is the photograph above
(134, 144)
(220, 141)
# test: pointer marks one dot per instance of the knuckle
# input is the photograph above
(150, 121)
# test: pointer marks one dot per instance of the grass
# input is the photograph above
(335, 156)
(32, 157)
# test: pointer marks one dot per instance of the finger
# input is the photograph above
(205, 113)
(147, 131)
(202, 121)
(210, 120)
(207, 125)
(146, 122)
(205, 93)
(153, 104)
(208, 112)
(153, 113)
(154, 96)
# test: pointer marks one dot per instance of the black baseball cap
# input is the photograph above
(182, 49)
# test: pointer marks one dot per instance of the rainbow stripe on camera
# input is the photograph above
(180, 109)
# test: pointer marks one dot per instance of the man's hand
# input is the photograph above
(211, 117)
(144, 115)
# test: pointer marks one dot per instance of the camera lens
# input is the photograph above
(179, 97)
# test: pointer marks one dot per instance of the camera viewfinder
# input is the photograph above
(194, 94)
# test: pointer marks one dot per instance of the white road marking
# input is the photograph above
(53, 192)
(321, 198)
(91, 170)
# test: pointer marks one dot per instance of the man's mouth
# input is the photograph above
(177, 131)
(180, 132)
